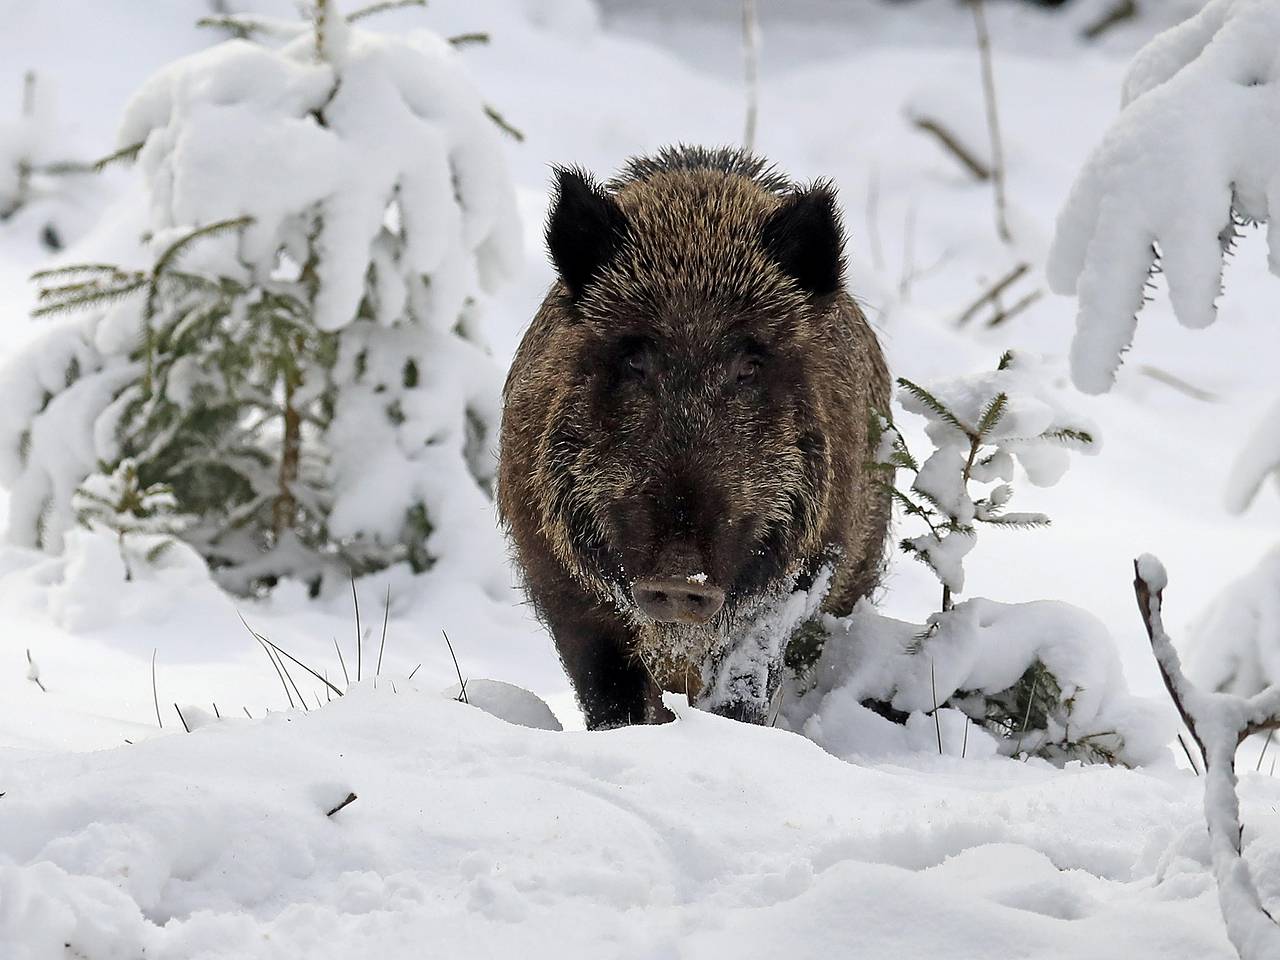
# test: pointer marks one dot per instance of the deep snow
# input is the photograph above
(473, 836)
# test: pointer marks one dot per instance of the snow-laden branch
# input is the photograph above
(1218, 722)
(1194, 152)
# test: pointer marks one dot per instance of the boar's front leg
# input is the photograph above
(612, 685)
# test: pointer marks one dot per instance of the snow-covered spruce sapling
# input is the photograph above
(118, 502)
(297, 352)
(980, 426)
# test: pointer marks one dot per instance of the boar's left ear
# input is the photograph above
(805, 238)
(585, 229)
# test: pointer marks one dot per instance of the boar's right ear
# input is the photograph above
(805, 238)
(585, 229)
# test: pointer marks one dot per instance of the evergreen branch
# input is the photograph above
(244, 25)
(1019, 521)
(1069, 436)
(513, 132)
(87, 300)
(75, 270)
(176, 249)
(934, 404)
(376, 8)
(468, 39)
(128, 154)
(1006, 360)
(992, 414)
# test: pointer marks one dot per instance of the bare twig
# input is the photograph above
(873, 219)
(1218, 723)
(908, 254)
(993, 292)
(1119, 12)
(1002, 315)
(951, 143)
(1177, 383)
(751, 67)
(351, 797)
(993, 116)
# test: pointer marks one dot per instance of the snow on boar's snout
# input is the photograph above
(685, 432)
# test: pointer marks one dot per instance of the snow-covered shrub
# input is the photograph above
(1038, 679)
(1194, 153)
(299, 358)
(1041, 679)
(979, 425)
(118, 502)
(37, 184)
(1031, 679)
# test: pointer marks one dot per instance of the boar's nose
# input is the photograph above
(678, 599)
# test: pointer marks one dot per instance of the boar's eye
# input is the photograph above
(744, 368)
(635, 359)
(637, 363)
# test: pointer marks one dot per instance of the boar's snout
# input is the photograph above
(678, 599)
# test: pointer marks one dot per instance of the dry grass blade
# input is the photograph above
(342, 663)
(155, 697)
(267, 651)
(462, 683)
(386, 613)
(32, 675)
(937, 724)
(282, 652)
(185, 725)
(415, 670)
(1195, 766)
(1270, 735)
(355, 600)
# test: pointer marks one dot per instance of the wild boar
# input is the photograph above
(685, 435)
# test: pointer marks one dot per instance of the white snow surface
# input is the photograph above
(470, 835)
(703, 838)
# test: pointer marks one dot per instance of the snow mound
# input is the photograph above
(1259, 459)
(968, 666)
(1195, 146)
(468, 836)
(1232, 646)
(507, 702)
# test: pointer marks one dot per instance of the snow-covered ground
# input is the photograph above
(470, 836)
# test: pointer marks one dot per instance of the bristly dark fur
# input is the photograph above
(731, 161)
(691, 401)
(585, 230)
